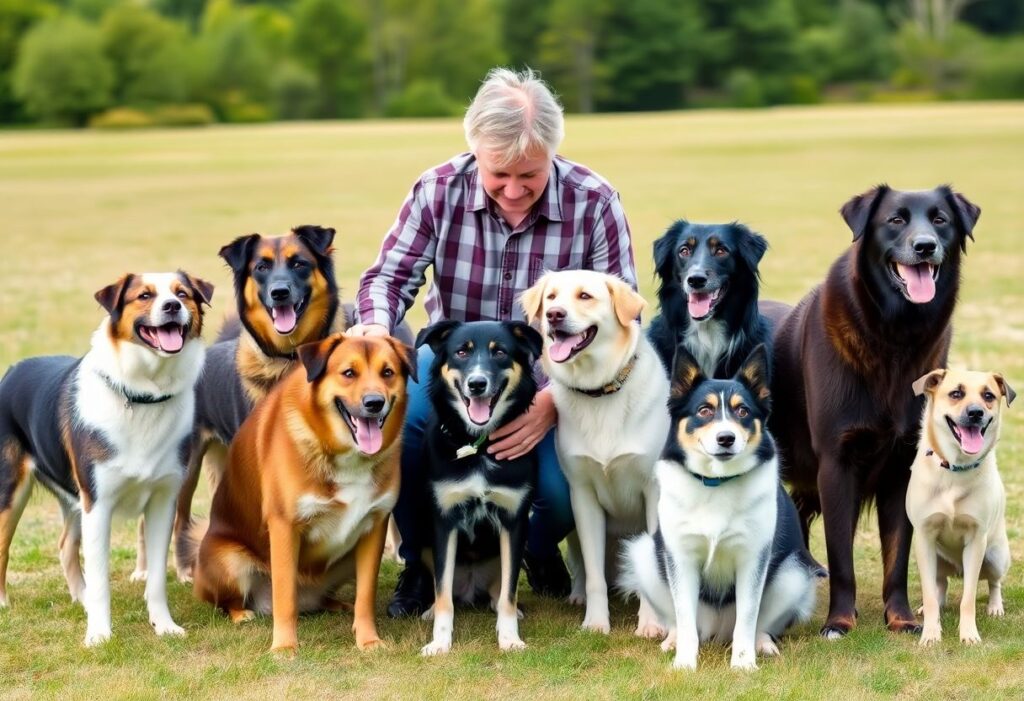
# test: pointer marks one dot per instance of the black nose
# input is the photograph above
(925, 246)
(477, 385)
(556, 315)
(975, 414)
(172, 306)
(726, 439)
(697, 281)
(279, 294)
(373, 403)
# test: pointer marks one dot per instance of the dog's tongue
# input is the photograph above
(971, 439)
(369, 437)
(480, 410)
(561, 348)
(920, 285)
(699, 304)
(284, 318)
(170, 338)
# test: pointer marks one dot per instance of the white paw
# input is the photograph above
(511, 643)
(138, 576)
(650, 630)
(167, 627)
(746, 665)
(96, 637)
(4, 604)
(185, 577)
(436, 647)
(669, 643)
(428, 615)
(970, 635)
(685, 661)
(995, 609)
(766, 646)
(833, 635)
(597, 625)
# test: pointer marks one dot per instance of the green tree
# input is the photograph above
(146, 51)
(568, 50)
(62, 74)
(16, 18)
(331, 40)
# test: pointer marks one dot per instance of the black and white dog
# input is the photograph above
(728, 561)
(707, 294)
(108, 433)
(479, 380)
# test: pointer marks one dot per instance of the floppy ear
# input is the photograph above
(665, 251)
(927, 383)
(628, 303)
(966, 213)
(532, 300)
(686, 373)
(435, 335)
(238, 252)
(529, 336)
(318, 238)
(859, 210)
(1005, 388)
(752, 246)
(111, 297)
(314, 355)
(754, 373)
(202, 288)
(406, 355)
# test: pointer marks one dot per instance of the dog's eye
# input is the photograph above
(584, 295)
(742, 412)
(684, 252)
(939, 220)
(705, 411)
(182, 294)
(387, 372)
(145, 295)
(462, 354)
(896, 220)
(721, 251)
(349, 373)
(988, 397)
(297, 263)
(500, 354)
(956, 395)
(262, 266)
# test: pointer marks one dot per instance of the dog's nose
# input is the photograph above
(477, 385)
(556, 315)
(697, 281)
(975, 413)
(726, 439)
(279, 294)
(925, 246)
(374, 403)
(171, 306)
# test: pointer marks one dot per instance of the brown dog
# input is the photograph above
(844, 359)
(312, 476)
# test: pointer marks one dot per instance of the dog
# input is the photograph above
(312, 476)
(727, 561)
(707, 295)
(108, 433)
(846, 426)
(955, 500)
(480, 379)
(611, 393)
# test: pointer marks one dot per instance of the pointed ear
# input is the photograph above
(686, 373)
(752, 246)
(1005, 388)
(407, 357)
(318, 238)
(238, 252)
(628, 304)
(202, 288)
(665, 251)
(966, 214)
(530, 337)
(754, 373)
(314, 355)
(927, 383)
(111, 297)
(532, 300)
(435, 334)
(860, 209)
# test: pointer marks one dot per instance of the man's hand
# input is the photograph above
(367, 330)
(519, 436)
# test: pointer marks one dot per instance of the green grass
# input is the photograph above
(79, 209)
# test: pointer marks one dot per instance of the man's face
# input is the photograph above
(515, 188)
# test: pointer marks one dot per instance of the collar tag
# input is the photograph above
(470, 448)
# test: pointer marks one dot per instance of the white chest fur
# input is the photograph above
(707, 342)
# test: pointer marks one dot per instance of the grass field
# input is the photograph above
(79, 209)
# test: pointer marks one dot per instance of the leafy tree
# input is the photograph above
(16, 18)
(568, 50)
(331, 40)
(145, 50)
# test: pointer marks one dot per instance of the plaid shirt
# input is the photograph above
(481, 264)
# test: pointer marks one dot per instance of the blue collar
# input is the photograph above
(956, 468)
(712, 481)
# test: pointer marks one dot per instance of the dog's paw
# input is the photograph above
(371, 644)
(510, 643)
(650, 629)
(97, 637)
(577, 598)
(185, 577)
(428, 615)
(995, 608)
(766, 646)
(4, 603)
(969, 635)
(669, 643)
(167, 627)
(241, 615)
(285, 650)
(138, 576)
(597, 625)
(930, 635)
(436, 647)
(685, 661)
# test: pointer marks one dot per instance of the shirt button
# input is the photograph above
(508, 276)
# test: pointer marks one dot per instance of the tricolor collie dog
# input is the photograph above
(708, 295)
(311, 479)
(611, 392)
(109, 432)
(480, 379)
(727, 561)
(956, 499)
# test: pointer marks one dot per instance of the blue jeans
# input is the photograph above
(551, 513)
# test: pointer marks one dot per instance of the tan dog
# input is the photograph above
(955, 498)
(312, 475)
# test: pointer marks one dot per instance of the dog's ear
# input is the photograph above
(965, 212)
(435, 334)
(529, 336)
(860, 209)
(752, 246)
(665, 251)
(238, 252)
(627, 302)
(686, 373)
(406, 356)
(1005, 388)
(318, 238)
(532, 300)
(314, 355)
(927, 383)
(111, 297)
(754, 374)
(202, 288)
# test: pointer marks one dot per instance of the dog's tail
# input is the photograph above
(641, 574)
(187, 546)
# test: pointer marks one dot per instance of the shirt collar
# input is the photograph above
(548, 206)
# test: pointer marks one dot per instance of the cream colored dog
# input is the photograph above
(956, 499)
(611, 392)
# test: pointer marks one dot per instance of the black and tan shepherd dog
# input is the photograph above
(845, 357)
(707, 293)
(480, 379)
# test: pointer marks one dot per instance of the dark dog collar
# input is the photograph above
(469, 449)
(713, 481)
(133, 397)
(945, 464)
(616, 384)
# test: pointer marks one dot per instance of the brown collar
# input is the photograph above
(616, 384)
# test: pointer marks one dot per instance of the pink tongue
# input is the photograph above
(561, 349)
(284, 318)
(480, 410)
(971, 439)
(170, 338)
(368, 435)
(920, 285)
(699, 304)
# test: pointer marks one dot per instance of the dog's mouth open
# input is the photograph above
(481, 409)
(169, 338)
(970, 438)
(917, 282)
(286, 316)
(367, 432)
(567, 345)
(701, 305)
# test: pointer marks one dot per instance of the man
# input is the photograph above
(491, 221)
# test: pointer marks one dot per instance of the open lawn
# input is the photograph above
(78, 209)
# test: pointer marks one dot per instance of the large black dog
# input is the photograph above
(480, 379)
(708, 295)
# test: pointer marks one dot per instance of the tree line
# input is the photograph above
(138, 62)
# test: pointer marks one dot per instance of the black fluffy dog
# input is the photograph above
(480, 379)
(708, 295)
